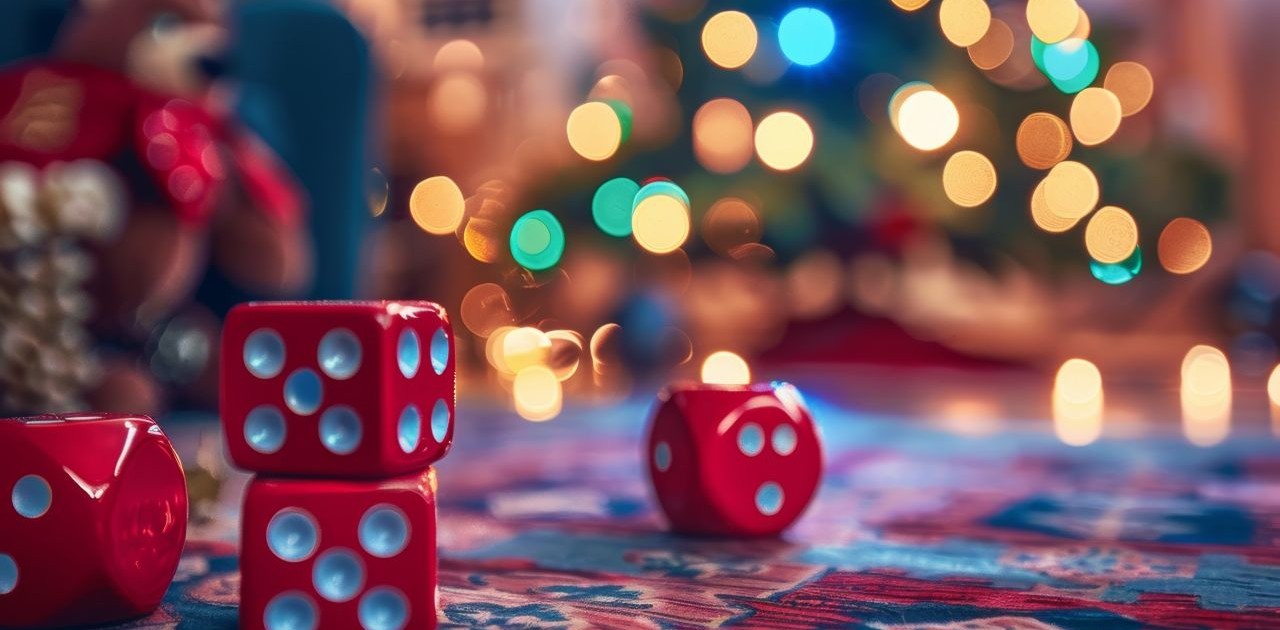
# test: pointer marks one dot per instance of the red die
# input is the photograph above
(339, 554)
(92, 521)
(733, 460)
(345, 389)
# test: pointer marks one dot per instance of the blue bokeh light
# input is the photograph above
(807, 36)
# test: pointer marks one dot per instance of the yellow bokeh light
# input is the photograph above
(964, 22)
(1273, 386)
(1185, 246)
(537, 393)
(994, 48)
(928, 120)
(1078, 402)
(660, 224)
(1131, 82)
(522, 348)
(1071, 190)
(458, 103)
(1043, 140)
(722, 136)
(1053, 20)
(1044, 218)
(594, 131)
(910, 5)
(729, 39)
(784, 140)
(725, 368)
(969, 179)
(436, 205)
(458, 54)
(1111, 235)
(1095, 115)
(1206, 395)
(603, 345)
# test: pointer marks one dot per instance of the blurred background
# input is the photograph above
(608, 194)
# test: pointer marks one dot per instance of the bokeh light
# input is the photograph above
(436, 205)
(1095, 115)
(594, 130)
(1045, 218)
(969, 179)
(994, 48)
(1078, 402)
(537, 393)
(722, 136)
(1273, 393)
(458, 54)
(485, 308)
(729, 224)
(807, 36)
(566, 353)
(1071, 190)
(1131, 82)
(1072, 64)
(725, 368)
(1206, 395)
(1043, 140)
(964, 22)
(1052, 20)
(910, 5)
(458, 103)
(612, 205)
(521, 348)
(1185, 246)
(661, 187)
(537, 240)
(927, 119)
(1118, 273)
(729, 38)
(784, 140)
(661, 224)
(1111, 235)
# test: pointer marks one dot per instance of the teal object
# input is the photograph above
(537, 240)
(306, 77)
(807, 36)
(613, 205)
(1071, 65)
(661, 187)
(1118, 273)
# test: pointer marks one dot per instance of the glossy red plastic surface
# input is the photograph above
(707, 483)
(337, 508)
(378, 392)
(103, 543)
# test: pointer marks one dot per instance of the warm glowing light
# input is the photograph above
(566, 353)
(1273, 392)
(1043, 140)
(729, 39)
(522, 348)
(436, 205)
(1045, 218)
(458, 54)
(807, 36)
(537, 240)
(964, 22)
(730, 223)
(1111, 235)
(1078, 402)
(661, 224)
(1131, 82)
(1185, 246)
(604, 347)
(486, 308)
(1095, 115)
(537, 393)
(725, 368)
(994, 48)
(458, 103)
(815, 284)
(910, 5)
(928, 120)
(1206, 395)
(1071, 190)
(595, 131)
(969, 179)
(1052, 20)
(784, 141)
(722, 136)
(612, 205)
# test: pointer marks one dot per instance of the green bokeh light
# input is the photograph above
(625, 116)
(661, 187)
(613, 205)
(1071, 65)
(537, 240)
(1118, 273)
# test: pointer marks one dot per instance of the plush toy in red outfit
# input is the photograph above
(111, 194)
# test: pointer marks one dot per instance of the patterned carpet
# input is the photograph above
(551, 525)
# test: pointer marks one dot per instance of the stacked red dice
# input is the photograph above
(340, 407)
(93, 518)
(733, 460)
